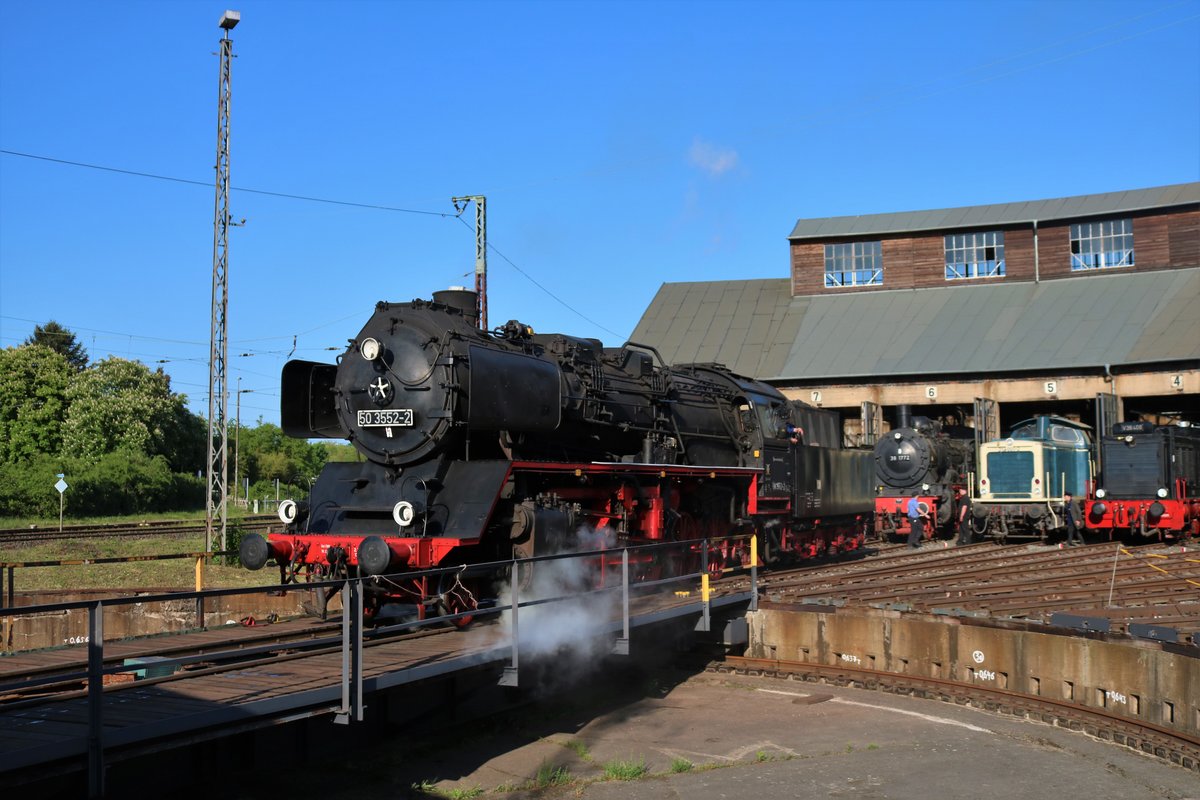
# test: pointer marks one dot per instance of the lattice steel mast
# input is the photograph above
(480, 251)
(218, 392)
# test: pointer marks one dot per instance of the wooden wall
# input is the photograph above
(1160, 241)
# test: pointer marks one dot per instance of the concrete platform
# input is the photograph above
(743, 738)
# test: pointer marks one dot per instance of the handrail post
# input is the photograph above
(200, 588)
(621, 646)
(6, 642)
(342, 717)
(95, 700)
(754, 572)
(509, 677)
(356, 660)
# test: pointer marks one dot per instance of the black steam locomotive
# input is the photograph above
(923, 456)
(482, 446)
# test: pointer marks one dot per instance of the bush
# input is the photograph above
(27, 488)
(119, 483)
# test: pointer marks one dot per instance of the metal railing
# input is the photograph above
(353, 624)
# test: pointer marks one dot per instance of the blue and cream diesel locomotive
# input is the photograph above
(1022, 478)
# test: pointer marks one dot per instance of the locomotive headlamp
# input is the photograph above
(924, 487)
(1101, 494)
(404, 513)
(369, 348)
(1128, 440)
(287, 512)
(1162, 492)
(897, 436)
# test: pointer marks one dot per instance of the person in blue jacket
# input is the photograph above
(916, 522)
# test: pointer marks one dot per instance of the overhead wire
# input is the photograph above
(309, 198)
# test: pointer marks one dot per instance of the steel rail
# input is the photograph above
(10, 536)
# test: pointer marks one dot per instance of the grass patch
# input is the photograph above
(550, 775)
(618, 770)
(762, 756)
(428, 787)
(872, 747)
(679, 765)
(177, 573)
(579, 748)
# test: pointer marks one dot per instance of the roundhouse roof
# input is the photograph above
(758, 329)
(1000, 214)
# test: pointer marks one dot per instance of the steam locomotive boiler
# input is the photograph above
(923, 456)
(481, 446)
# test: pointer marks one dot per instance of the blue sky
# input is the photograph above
(620, 145)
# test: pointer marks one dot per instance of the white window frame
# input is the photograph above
(967, 255)
(1106, 244)
(853, 264)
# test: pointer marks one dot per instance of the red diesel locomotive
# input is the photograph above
(1150, 482)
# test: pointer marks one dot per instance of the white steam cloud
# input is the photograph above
(569, 627)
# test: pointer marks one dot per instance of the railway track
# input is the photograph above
(1171, 745)
(10, 537)
(1148, 584)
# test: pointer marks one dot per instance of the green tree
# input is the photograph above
(62, 341)
(34, 382)
(117, 404)
(266, 454)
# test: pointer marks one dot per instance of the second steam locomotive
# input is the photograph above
(923, 458)
(482, 446)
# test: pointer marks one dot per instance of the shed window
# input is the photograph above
(975, 255)
(1102, 245)
(853, 264)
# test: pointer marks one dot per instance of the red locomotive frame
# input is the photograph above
(1175, 515)
(624, 504)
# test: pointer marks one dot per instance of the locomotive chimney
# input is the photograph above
(904, 416)
(461, 298)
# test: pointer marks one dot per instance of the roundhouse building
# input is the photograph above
(1087, 307)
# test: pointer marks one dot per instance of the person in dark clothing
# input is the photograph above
(916, 522)
(1071, 516)
(966, 534)
(794, 434)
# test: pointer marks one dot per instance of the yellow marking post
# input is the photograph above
(754, 551)
(200, 573)
(704, 587)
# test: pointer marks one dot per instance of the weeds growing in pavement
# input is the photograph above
(618, 770)
(550, 775)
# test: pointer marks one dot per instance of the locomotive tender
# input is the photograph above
(1022, 478)
(483, 446)
(1150, 482)
(923, 456)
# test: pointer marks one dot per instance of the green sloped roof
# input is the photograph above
(756, 327)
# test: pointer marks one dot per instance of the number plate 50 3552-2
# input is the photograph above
(385, 417)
